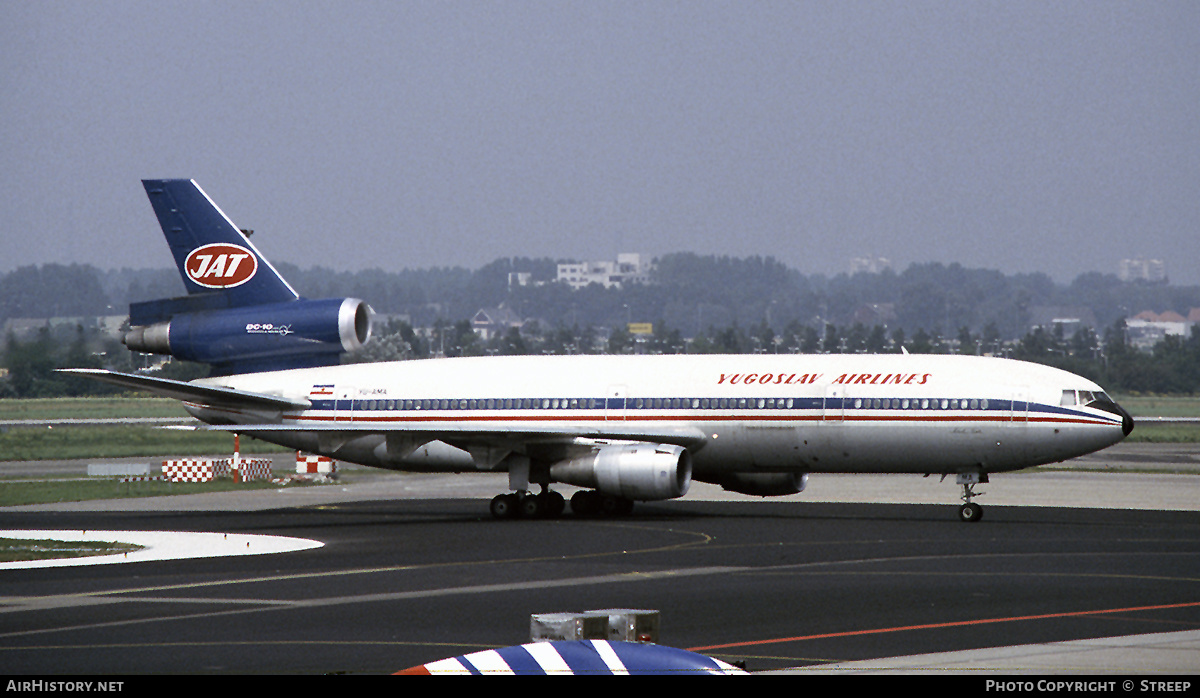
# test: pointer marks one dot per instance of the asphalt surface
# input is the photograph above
(1090, 570)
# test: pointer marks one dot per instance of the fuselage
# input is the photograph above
(741, 413)
(622, 428)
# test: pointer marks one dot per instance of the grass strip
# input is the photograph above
(21, 549)
(49, 491)
(117, 441)
(90, 408)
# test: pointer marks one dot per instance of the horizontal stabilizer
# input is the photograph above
(191, 392)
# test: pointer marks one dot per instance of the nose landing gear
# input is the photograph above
(970, 511)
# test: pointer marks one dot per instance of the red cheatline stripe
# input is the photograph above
(984, 621)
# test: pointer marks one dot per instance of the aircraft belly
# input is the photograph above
(756, 447)
(435, 457)
(1057, 443)
(851, 447)
(915, 448)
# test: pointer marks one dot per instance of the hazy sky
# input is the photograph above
(1021, 136)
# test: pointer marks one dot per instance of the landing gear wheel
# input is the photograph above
(554, 505)
(585, 502)
(528, 506)
(616, 506)
(531, 506)
(504, 506)
(610, 506)
(592, 503)
(970, 512)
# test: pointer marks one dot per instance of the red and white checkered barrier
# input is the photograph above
(308, 463)
(188, 470)
(245, 470)
(221, 467)
(252, 469)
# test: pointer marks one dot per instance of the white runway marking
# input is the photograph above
(159, 545)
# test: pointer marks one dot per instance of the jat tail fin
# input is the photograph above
(213, 256)
(239, 315)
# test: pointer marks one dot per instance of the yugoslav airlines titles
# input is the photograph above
(810, 378)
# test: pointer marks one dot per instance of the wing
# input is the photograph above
(550, 441)
(487, 441)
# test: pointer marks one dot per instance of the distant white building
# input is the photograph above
(1148, 328)
(629, 268)
(1154, 270)
(869, 265)
(489, 323)
(1070, 318)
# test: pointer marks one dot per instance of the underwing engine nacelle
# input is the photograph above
(640, 471)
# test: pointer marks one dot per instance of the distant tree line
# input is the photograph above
(697, 304)
(689, 292)
(1172, 368)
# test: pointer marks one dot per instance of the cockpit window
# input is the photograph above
(1084, 397)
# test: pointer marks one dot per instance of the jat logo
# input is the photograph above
(221, 265)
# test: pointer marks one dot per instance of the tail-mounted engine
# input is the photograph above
(640, 471)
(274, 336)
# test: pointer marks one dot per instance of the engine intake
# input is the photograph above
(641, 471)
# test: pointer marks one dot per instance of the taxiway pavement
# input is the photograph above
(1085, 570)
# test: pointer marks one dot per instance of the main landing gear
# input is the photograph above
(970, 511)
(549, 504)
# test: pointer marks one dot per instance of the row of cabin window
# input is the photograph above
(925, 404)
(704, 403)
(656, 404)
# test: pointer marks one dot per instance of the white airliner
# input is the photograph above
(627, 428)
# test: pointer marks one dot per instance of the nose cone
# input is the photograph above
(1106, 403)
(1126, 420)
(1113, 408)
